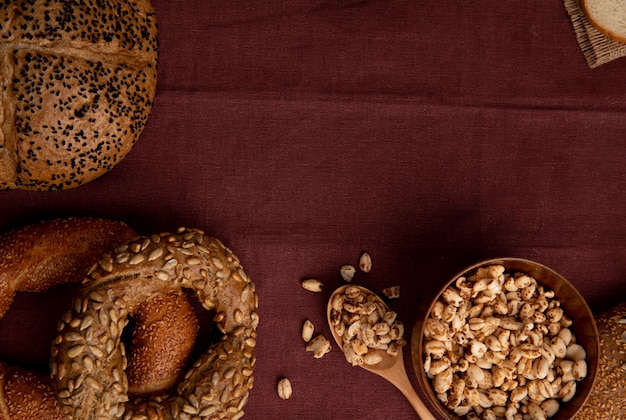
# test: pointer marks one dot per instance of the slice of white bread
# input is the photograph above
(608, 16)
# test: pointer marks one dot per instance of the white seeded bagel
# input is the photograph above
(88, 364)
(35, 258)
(77, 81)
(608, 16)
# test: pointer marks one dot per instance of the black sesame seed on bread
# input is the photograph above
(77, 81)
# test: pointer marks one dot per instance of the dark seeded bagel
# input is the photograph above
(77, 81)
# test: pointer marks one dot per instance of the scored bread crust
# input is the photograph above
(608, 16)
(77, 83)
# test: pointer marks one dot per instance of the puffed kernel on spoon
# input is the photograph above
(368, 329)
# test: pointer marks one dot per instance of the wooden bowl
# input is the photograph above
(583, 328)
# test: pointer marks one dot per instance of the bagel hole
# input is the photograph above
(127, 335)
(208, 333)
(30, 325)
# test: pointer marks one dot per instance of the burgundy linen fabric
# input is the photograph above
(431, 134)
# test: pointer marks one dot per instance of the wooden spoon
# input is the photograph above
(390, 367)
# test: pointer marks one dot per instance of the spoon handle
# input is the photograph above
(417, 404)
(402, 382)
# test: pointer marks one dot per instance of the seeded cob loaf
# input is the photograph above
(77, 81)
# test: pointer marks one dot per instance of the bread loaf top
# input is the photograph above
(77, 82)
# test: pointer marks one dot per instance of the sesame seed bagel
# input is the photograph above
(162, 340)
(26, 395)
(89, 359)
(77, 82)
(35, 258)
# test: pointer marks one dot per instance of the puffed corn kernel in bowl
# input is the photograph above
(506, 338)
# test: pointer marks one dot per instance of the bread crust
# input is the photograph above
(607, 27)
(76, 88)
